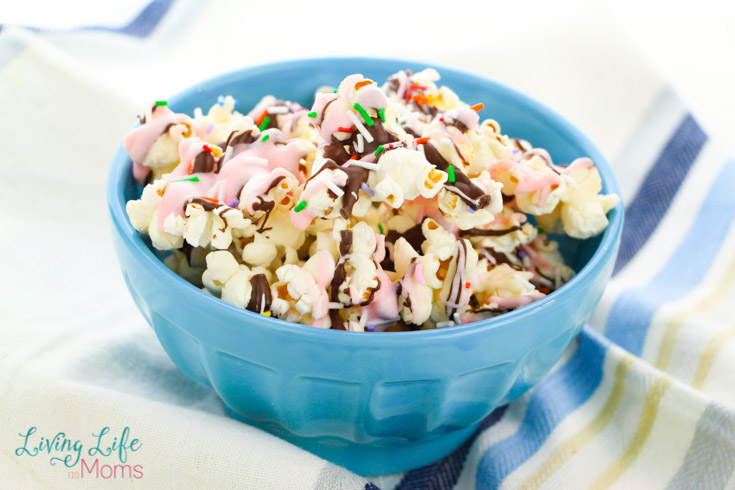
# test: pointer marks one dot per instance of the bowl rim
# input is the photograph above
(132, 239)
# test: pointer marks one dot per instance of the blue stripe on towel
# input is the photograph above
(144, 23)
(659, 187)
(710, 460)
(631, 315)
(141, 27)
(555, 397)
(445, 472)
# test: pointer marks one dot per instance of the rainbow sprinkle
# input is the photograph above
(265, 123)
(367, 189)
(334, 91)
(266, 313)
(381, 114)
(311, 114)
(265, 138)
(450, 171)
(161, 102)
(299, 207)
(366, 117)
(380, 227)
(190, 179)
(380, 149)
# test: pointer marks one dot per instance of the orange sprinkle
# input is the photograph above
(261, 117)
(467, 285)
(359, 85)
(420, 99)
(210, 199)
(478, 107)
(421, 141)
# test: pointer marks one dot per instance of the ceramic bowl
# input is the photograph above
(375, 403)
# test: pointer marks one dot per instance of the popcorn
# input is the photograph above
(378, 209)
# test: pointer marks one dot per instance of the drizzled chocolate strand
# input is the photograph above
(260, 296)
(340, 274)
(413, 236)
(462, 183)
(356, 176)
(481, 232)
(204, 162)
(205, 203)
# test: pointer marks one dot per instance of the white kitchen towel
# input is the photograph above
(643, 399)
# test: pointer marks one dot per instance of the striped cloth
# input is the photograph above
(643, 398)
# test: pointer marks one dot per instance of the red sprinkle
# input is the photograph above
(346, 130)
(206, 148)
(467, 285)
(261, 117)
(354, 157)
(422, 141)
(415, 86)
(478, 107)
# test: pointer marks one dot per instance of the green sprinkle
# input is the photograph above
(300, 206)
(381, 114)
(265, 137)
(334, 91)
(450, 171)
(312, 114)
(190, 179)
(161, 102)
(380, 227)
(364, 114)
(380, 149)
(265, 123)
(540, 230)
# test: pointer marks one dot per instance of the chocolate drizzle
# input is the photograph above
(267, 206)
(204, 162)
(336, 151)
(356, 176)
(274, 183)
(462, 127)
(168, 126)
(413, 235)
(205, 203)
(497, 258)
(340, 274)
(260, 296)
(345, 242)
(481, 232)
(464, 187)
(246, 138)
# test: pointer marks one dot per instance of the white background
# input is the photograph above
(691, 45)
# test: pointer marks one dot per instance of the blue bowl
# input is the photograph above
(373, 403)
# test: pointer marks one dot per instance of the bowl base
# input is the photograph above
(367, 460)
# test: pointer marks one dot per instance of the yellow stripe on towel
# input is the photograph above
(635, 446)
(582, 437)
